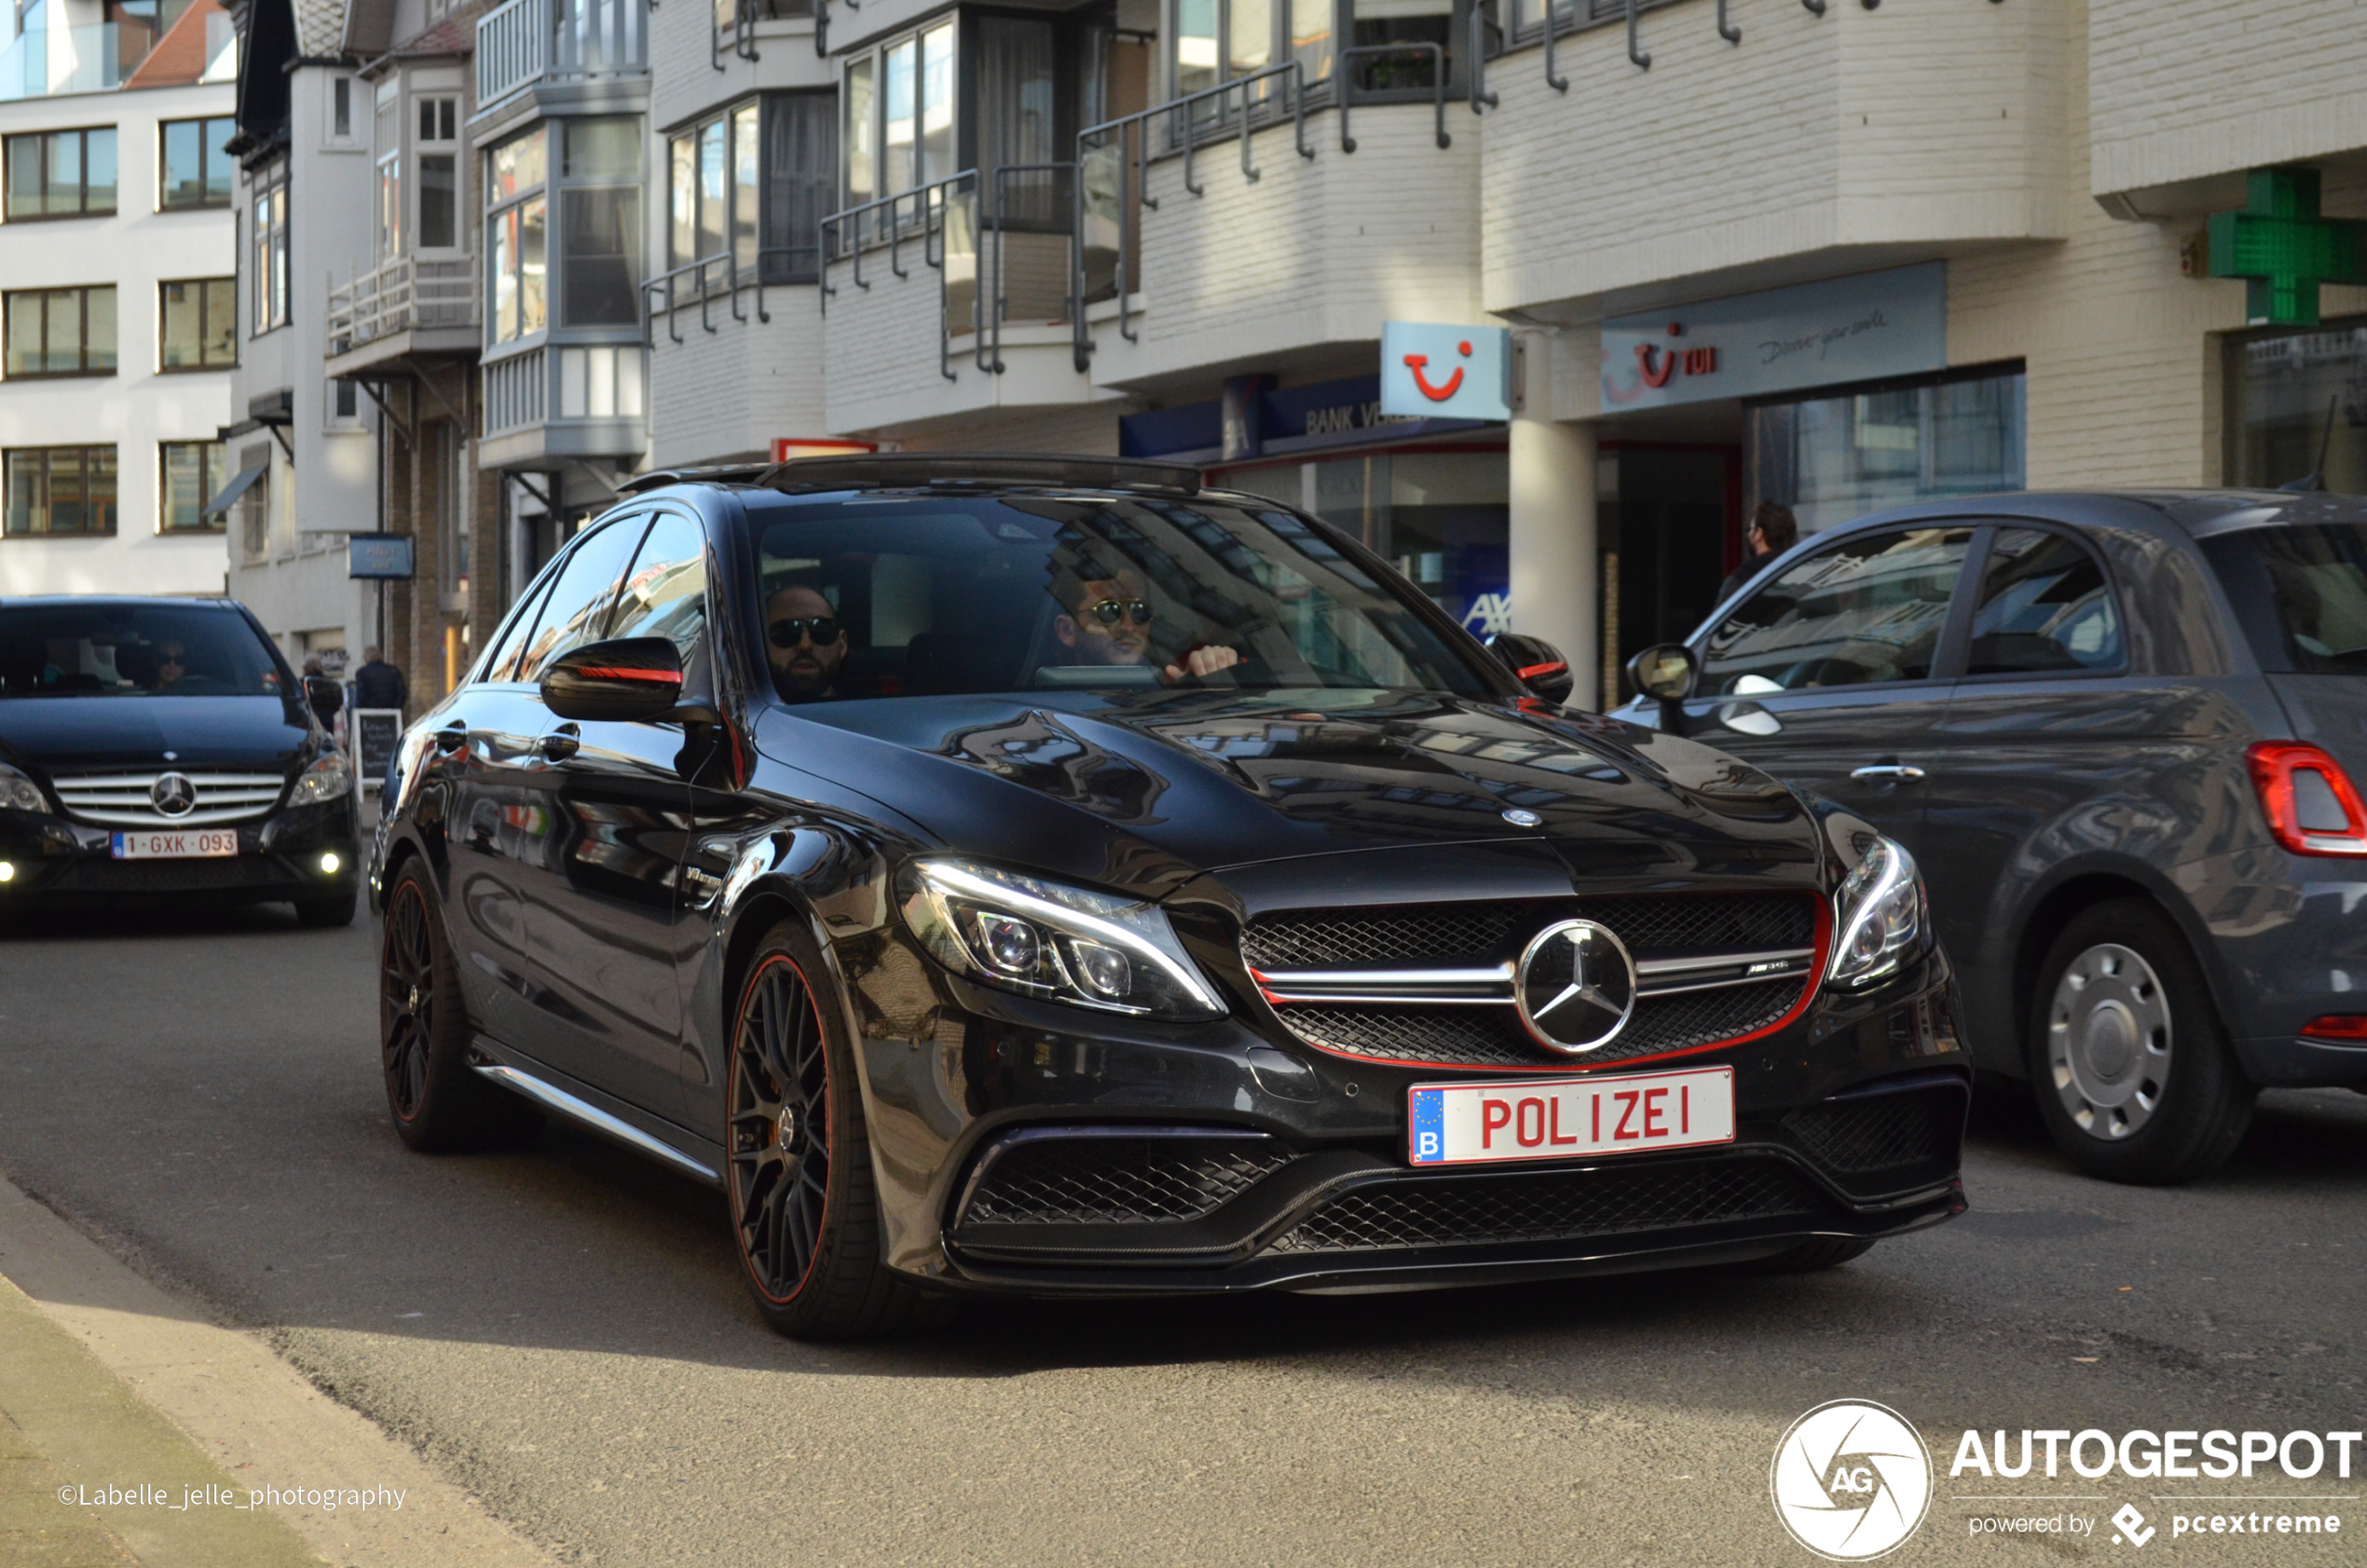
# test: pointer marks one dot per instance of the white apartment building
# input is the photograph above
(116, 276)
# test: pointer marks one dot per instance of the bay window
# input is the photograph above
(748, 189)
(902, 136)
(517, 227)
(1225, 40)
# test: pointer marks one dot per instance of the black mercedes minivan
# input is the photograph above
(1046, 875)
(163, 747)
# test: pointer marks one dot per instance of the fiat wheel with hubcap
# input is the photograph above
(804, 1211)
(2132, 1069)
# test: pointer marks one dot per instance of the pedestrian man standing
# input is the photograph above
(378, 684)
(1772, 532)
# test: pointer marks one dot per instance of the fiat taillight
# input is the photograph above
(2307, 798)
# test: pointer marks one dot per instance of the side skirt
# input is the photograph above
(611, 1119)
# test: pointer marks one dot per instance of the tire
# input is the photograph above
(1810, 1257)
(438, 1104)
(2130, 1064)
(322, 914)
(803, 1208)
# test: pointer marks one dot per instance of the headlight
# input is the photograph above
(328, 779)
(20, 793)
(1047, 939)
(1880, 915)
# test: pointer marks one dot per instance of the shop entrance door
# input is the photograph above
(1669, 537)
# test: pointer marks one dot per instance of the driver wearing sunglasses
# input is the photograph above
(805, 642)
(1109, 622)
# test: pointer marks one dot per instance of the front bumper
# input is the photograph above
(58, 861)
(1030, 1160)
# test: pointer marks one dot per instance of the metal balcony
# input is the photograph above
(529, 41)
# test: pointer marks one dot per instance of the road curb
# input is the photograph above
(111, 1380)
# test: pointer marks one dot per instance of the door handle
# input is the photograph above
(560, 744)
(451, 738)
(1887, 772)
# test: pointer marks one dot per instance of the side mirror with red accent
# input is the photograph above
(1535, 664)
(628, 680)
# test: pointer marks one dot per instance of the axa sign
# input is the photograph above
(1445, 373)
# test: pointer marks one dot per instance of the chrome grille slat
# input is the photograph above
(121, 800)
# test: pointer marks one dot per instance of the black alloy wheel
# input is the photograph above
(438, 1104)
(804, 1212)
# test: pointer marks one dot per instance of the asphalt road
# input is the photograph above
(561, 1330)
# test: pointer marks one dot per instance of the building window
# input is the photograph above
(60, 174)
(198, 324)
(754, 183)
(439, 153)
(600, 224)
(1224, 40)
(196, 172)
(270, 264)
(341, 109)
(517, 236)
(254, 504)
(61, 332)
(56, 490)
(900, 109)
(193, 473)
(2297, 407)
(1832, 456)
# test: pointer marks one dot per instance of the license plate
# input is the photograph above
(185, 845)
(1563, 1118)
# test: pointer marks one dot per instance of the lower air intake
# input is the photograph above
(1097, 1180)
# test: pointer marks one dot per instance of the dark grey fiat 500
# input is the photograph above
(2119, 733)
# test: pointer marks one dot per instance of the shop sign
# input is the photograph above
(1867, 328)
(1444, 372)
(386, 557)
(1315, 418)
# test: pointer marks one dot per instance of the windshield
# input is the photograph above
(132, 651)
(905, 595)
(2302, 592)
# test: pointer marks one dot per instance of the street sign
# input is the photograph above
(383, 557)
(1444, 372)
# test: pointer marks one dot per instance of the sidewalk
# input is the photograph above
(112, 1387)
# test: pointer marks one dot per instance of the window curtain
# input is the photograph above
(800, 183)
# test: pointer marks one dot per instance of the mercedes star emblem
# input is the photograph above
(1521, 816)
(172, 795)
(1576, 987)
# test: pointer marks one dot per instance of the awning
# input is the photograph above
(222, 503)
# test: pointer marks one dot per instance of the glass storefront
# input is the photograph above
(1833, 456)
(2296, 396)
(1442, 517)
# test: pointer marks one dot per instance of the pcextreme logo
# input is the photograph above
(1850, 1480)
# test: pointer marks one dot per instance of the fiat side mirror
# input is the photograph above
(626, 680)
(1667, 674)
(1535, 664)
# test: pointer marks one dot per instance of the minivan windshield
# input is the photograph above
(897, 595)
(114, 649)
(2302, 592)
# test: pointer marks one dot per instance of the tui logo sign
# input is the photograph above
(1445, 372)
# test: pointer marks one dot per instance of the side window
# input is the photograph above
(503, 666)
(577, 612)
(1869, 610)
(2045, 605)
(665, 592)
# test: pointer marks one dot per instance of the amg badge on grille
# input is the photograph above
(1576, 987)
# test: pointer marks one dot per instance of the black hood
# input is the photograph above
(1148, 792)
(66, 733)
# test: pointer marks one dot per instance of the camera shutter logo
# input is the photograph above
(172, 795)
(1851, 1480)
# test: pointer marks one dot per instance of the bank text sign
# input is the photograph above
(1866, 328)
(1444, 372)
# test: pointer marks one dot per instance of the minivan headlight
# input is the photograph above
(1879, 915)
(20, 793)
(1043, 938)
(329, 779)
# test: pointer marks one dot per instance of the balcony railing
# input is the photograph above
(526, 41)
(401, 294)
(563, 382)
(734, 29)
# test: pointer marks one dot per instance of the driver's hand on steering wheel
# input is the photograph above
(1203, 661)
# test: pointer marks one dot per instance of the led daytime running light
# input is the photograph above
(1883, 899)
(940, 877)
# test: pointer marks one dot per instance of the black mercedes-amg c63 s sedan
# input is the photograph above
(1046, 875)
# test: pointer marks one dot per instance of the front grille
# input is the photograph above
(1558, 1205)
(1116, 1181)
(122, 801)
(208, 874)
(1650, 924)
(1493, 1036)
(1875, 1133)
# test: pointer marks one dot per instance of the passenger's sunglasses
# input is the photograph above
(1109, 612)
(824, 629)
(173, 659)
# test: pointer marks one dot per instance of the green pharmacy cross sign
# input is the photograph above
(2283, 249)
